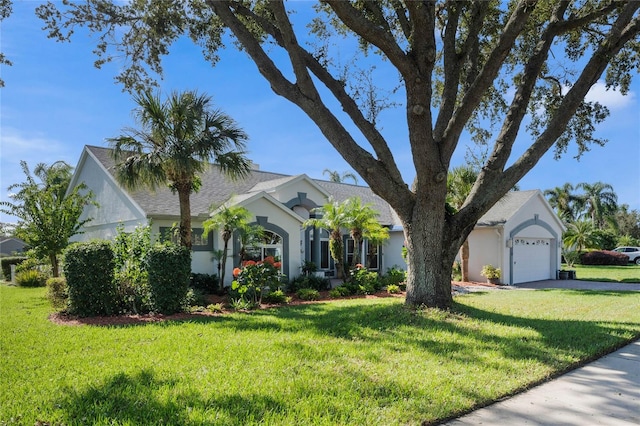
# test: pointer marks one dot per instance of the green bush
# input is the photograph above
(89, 270)
(131, 279)
(394, 276)
(340, 291)
(393, 289)
(308, 281)
(169, 269)
(277, 297)
(362, 281)
(195, 297)
(57, 292)
(308, 294)
(31, 278)
(205, 282)
(6, 263)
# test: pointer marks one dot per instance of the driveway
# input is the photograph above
(580, 285)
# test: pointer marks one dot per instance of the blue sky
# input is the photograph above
(55, 102)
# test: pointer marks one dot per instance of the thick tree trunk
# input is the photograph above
(224, 261)
(430, 257)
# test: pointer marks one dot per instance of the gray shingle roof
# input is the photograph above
(506, 207)
(217, 189)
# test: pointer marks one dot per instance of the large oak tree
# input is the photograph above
(462, 66)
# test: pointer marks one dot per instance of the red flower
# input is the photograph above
(359, 266)
(277, 265)
(236, 272)
(248, 263)
(270, 260)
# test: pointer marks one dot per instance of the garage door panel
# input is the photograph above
(531, 259)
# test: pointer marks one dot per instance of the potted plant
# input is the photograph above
(491, 273)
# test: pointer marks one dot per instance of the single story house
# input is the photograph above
(10, 246)
(281, 203)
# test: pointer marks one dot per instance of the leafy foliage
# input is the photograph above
(130, 251)
(89, 270)
(308, 294)
(6, 263)
(308, 281)
(48, 214)
(169, 269)
(174, 144)
(31, 278)
(58, 292)
(255, 278)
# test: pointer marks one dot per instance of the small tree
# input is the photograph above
(334, 218)
(226, 220)
(48, 211)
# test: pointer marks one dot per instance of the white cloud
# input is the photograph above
(611, 98)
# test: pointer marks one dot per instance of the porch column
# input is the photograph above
(316, 246)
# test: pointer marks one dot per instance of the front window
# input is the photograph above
(271, 245)
(324, 254)
(199, 242)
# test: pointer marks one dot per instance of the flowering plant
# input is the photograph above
(254, 277)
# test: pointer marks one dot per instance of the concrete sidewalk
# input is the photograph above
(604, 392)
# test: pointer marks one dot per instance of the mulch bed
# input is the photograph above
(122, 320)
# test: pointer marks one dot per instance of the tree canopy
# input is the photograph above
(48, 211)
(177, 139)
(489, 68)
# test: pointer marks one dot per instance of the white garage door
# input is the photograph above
(531, 259)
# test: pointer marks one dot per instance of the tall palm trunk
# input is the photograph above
(356, 235)
(225, 237)
(184, 192)
(337, 252)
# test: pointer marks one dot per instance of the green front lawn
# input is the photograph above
(623, 274)
(356, 362)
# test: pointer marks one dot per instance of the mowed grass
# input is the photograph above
(355, 362)
(622, 274)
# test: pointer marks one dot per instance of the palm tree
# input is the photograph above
(600, 201)
(175, 143)
(361, 218)
(563, 201)
(335, 176)
(459, 183)
(580, 234)
(227, 220)
(334, 219)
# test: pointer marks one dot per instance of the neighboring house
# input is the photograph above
(11, 245)
(281, 203)
(521, 235)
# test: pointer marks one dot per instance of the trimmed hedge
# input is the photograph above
(89, 270)
(6, 263)
(57, 292)
(169, 269)
(604, 257)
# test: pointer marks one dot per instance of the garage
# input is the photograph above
(531, 259)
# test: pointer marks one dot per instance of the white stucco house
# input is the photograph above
(281, 203)
(521, 235)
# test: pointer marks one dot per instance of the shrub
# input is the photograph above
(205, 282)
(194, 298)
(215, 307)
(169, 269)
(340, 291)
(57, 292)
(6, 263)
(31, 278)
(240, 304)
(308, 281)
(308, 294)
(394, 276)
(393, 289)
(604, 257)
(131, 278)
(254, 277)
(89, 270)
(277, 297)
(362, 281)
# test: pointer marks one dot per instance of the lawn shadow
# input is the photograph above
(144, 399)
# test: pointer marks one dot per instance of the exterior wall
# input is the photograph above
(392, 252)
(485, 247)
(113, 206)
(288, 192)
(201, 261)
